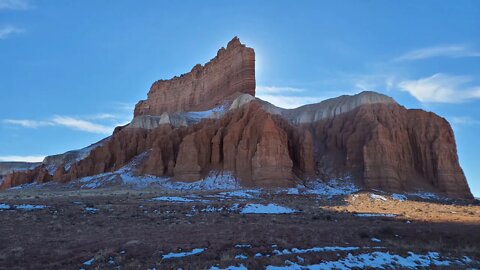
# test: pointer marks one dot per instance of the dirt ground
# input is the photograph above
(125, 229)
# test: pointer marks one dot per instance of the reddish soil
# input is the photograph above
(131, 232)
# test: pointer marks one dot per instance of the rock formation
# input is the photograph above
(221, 80)
(209, 120)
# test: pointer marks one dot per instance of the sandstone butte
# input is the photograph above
(209, 120)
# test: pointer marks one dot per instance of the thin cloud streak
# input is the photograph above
(289, 102)
(22, 158)
(14, 4)
(65, 121)
(451, 51)
(463, 120)
(441, 88)
(81, 125)
(7, 31)
(277, 89)
(28, 123)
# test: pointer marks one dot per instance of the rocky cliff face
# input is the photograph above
(367, 138)
(229, 74)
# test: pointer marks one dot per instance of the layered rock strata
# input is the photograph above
(229, 74)
(367, 138)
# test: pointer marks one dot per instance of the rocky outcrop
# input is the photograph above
(9, 167)
(229, 74)
(387, 147)
(209, 120)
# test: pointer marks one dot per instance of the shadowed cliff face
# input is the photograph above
(367, 138)
(229, 74)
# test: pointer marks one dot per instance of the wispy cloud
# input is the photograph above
(22, 158)
(289, 102)
(14, 4)
(441, 88)
(65, 121)
(81, 125)
(277, 89)
(103, 116)
(7, 31)
(284, 96)
(374, 82)
(451, 51)
(28, 123)
(463, 120)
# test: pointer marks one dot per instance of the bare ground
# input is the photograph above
(129, 231)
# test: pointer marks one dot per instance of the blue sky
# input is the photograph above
(72, 70)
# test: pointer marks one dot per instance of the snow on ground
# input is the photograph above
(310, 250)
(91, 210)
(89, 262)
(172, 255)
(172, 199)
(29, 207)
(246, 194)
(378, 260)
(377, 197)
(212, 209)
(374, 215)
(29, 185)
(399, 197)
(329, 188)
(271, 208)
(25, 207)
(373, 239)
(427, 195)
(214, 181)
(241, 257)
(124, 176)
(79, 154)
(243, 246)
(4, 206)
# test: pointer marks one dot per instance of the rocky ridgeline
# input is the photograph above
(209, 120)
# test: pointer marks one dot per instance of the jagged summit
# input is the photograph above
(229, 74)
(209, 121)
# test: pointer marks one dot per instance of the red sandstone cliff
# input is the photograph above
(229, 74)
(368, 137)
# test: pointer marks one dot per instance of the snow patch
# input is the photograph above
(172, 199)
(310, 250)
(29, 207)
(89, 262)
(243, 246)
(246, 194)
(91, 210)
(25, 186)
(241, 257)
(329, 188)
(377, 260)
(399, 197)
(25, 207)
(171, 255)
(427, 195)
(377, 197)
(253, 208)
(124, 176)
